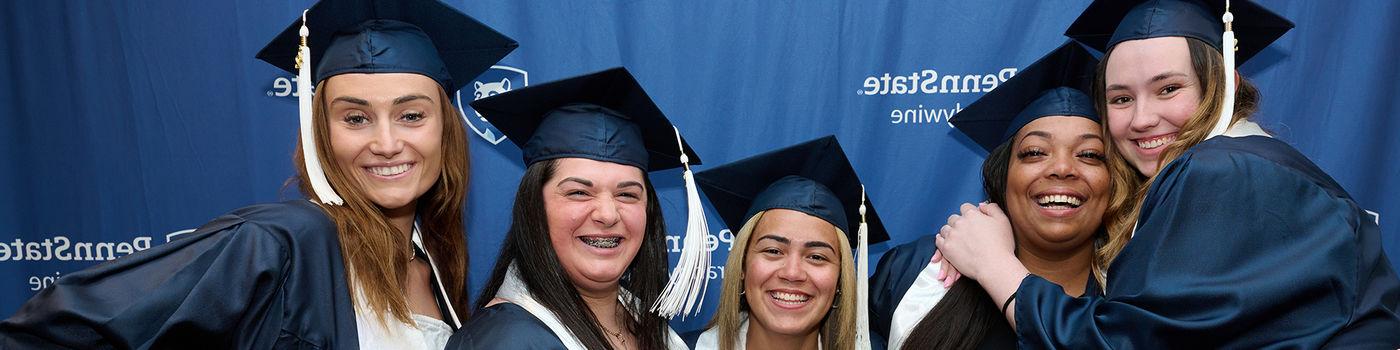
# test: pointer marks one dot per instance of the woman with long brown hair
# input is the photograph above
(376, 257)
(1237, 239)
(1046, 167)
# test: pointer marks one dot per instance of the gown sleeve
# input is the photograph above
(1232, 251)
(504, 326)
(896, 272)
(215, 285)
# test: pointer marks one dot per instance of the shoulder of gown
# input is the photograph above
(218, 284)
(504, 326)
(896, 272)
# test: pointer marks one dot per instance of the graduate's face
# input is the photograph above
(1057, 183)
(1151, 91)
(597, 219)
(386, 134)
(791, 271)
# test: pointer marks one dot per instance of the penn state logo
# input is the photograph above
(495, 81)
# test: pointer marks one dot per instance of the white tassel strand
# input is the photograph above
(317, 176)
(862, 279)
(685, 293)
(1228, 47)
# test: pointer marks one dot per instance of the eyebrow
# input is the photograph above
(785, 240)
(1154, 79)
(400, 100)
(1091, 136)
(630, 184)
(407, 98)
(818, 244)
(583, 182)
(1036, 133)
(349, 99)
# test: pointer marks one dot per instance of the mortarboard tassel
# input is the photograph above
(309, 157)
(1227, 41)
(685, 292)
(862, 279)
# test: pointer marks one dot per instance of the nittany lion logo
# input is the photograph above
(495, 81)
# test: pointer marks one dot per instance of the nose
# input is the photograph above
(1062, 166)
(1145, 115)
(386, 142)
(605, 212)
(792, 271)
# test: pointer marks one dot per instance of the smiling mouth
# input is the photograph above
(1059, 201)
(1152, 143)
(602, 242)
(390, 170)
(790, 299)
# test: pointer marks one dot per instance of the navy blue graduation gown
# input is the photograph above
(895, 274)
(505, 326)
(264, 276)
(1242, 243)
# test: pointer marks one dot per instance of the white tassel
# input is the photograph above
(862, 279)
(1227, 43)
(316, 175)
(685, 293)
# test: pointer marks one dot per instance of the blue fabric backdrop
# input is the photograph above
(128, 121)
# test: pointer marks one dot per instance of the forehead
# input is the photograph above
(795, 226)
(600, 172)
(1060, 128)
(380, 85)
(1136, 61)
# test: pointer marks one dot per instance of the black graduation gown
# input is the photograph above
(505, 326)
(895, 274)
(260, 277)
(1242, 243)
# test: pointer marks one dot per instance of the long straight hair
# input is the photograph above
(837, 328)
(1130, 184)
(375, 253)
(528, 245)
(963, 316)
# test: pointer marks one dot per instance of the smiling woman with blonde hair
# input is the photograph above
(791, 281)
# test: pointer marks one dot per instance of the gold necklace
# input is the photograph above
(617, 334)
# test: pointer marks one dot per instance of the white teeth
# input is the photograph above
(1059, 200)
(790, 297)
(389, 170)
(609, 242)
(1155, 142)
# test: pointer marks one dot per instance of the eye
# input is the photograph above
(578, 194)
(771, 251)
(1034, 152)
(1091, 154)
(1167, 90)
(412, 117)
(356, 119)
(1119, 100)
(818, 258)
(629, 197)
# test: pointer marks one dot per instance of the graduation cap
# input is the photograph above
(604, 116)
(426, 37)
(367, 36)
(1055, 85)
(814, 178)
(1106, 23)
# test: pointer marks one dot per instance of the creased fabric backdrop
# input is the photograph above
(126, 122)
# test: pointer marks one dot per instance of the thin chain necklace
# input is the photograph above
(618, 334)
